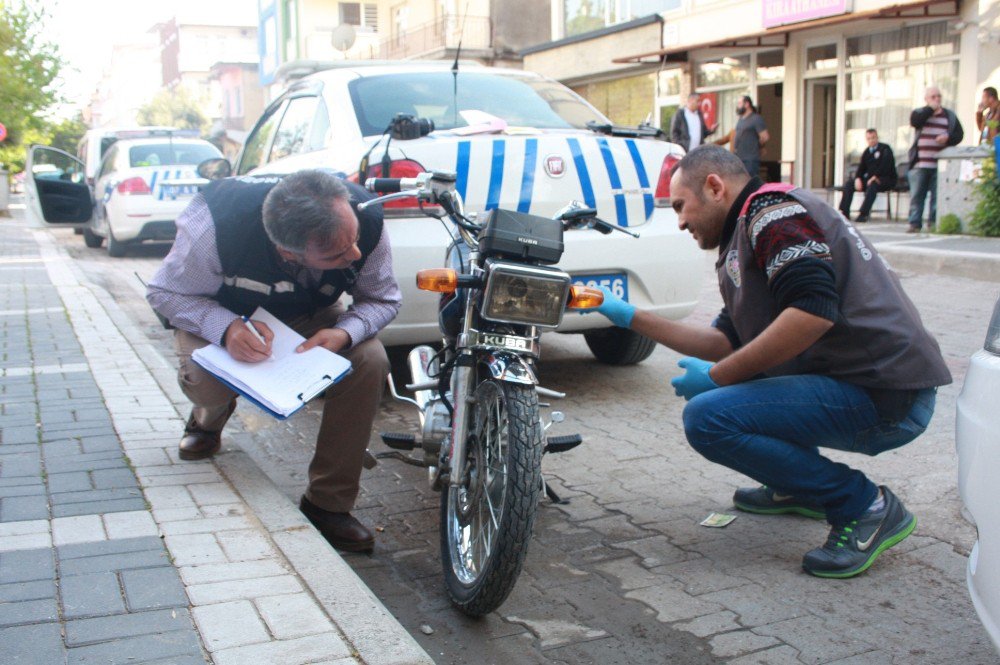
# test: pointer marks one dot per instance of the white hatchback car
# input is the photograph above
(515, 140)
(978, 443)
(140, 188)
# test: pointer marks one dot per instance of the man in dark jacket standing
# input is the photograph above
(876, 173)
(688, 128)
(936, 128)
(816, 346)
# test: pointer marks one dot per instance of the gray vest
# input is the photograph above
(878, 340)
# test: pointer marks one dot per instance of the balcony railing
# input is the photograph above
(442, 34)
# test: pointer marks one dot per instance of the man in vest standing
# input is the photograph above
(936, 128)
(816, 346)
(293, 246)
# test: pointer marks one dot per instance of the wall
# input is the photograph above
(580, 60)
(626, 101)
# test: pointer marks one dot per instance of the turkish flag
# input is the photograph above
(709, 105)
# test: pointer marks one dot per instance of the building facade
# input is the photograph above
(821, 71)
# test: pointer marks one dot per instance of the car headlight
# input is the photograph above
(525, 294)
(993, 332)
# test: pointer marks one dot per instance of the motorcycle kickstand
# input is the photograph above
(551, 493)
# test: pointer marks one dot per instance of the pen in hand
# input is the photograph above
(252, 329)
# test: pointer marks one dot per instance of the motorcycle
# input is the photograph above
(478, 396)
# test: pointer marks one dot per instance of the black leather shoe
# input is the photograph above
(341, 530)
(199, 444)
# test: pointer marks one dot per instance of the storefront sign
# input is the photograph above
(783, 12)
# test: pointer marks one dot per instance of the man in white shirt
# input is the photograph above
(688, 128)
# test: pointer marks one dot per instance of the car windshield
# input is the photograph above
(169, 154)
(520, 101)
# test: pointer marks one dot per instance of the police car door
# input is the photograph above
(56, 189)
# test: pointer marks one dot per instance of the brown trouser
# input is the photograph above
(348, 412)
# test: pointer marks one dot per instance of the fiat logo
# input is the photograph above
(555, 166)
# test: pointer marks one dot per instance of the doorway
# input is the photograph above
(821, 144)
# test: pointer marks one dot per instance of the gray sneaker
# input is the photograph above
(765, 501)
(850, 549)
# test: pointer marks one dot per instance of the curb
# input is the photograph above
(971, 265)
(376, 637)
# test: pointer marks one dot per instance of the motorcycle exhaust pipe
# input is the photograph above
(418, 360)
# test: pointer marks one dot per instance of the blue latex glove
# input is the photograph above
(617, 310)
(695, 380)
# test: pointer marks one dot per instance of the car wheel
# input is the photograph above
(619, 346)
(91, 239)
(116, 248)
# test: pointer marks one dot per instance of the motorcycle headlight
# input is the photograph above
(525, 294)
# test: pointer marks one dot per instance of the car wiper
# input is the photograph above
(642, 131)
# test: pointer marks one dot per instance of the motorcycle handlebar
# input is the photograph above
(387, 185)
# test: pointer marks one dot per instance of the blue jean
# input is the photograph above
(771, 430)
(922, 181)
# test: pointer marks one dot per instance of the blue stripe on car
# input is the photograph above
(528, 175)
(647, 197)
(462, 168)
(152, 184)
(496, 175)
(582, 173)
(616, 182)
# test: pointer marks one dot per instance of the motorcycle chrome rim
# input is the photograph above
(475, 508)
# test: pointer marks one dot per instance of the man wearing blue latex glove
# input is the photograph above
(816, 345)
(695, 380)
(617, 310)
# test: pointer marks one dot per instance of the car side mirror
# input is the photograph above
(215, 169)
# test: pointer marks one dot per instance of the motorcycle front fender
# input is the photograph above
(511, 368)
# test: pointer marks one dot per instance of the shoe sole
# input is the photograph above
(892, 540)
(192, 457)
(781, 510)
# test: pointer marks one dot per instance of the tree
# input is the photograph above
(66, 133)
(29, 64)
(175, 108)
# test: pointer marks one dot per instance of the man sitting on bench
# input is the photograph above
(876, 173)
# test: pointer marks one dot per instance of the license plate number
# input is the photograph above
(616, 283)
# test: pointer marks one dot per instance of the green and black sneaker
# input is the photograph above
(765, 501)
(850, 549)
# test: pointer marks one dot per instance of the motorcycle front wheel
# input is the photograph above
(486, 521)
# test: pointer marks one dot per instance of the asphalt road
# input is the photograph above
(623, 573)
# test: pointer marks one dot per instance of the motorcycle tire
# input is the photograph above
(619, 346)
(505, 428)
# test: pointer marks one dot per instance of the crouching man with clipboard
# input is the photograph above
(293, 246)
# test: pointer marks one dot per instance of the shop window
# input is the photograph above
(770, 67)
(725, 71)
(819, 58)
(918, 42)
(883, 98)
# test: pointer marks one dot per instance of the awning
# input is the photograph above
(778, 36)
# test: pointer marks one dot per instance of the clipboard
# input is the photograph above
(283, 384)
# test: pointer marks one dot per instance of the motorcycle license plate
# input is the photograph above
(617, 283)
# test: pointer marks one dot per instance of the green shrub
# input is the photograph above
(948, 225)
(985, 219)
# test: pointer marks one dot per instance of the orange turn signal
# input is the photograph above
(442, 280)
(584, 297)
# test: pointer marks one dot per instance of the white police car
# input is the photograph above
(515, 140)
(139, 189)
(978, 446)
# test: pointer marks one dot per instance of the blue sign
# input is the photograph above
(267, 40)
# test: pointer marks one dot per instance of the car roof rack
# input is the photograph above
(296, 69)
